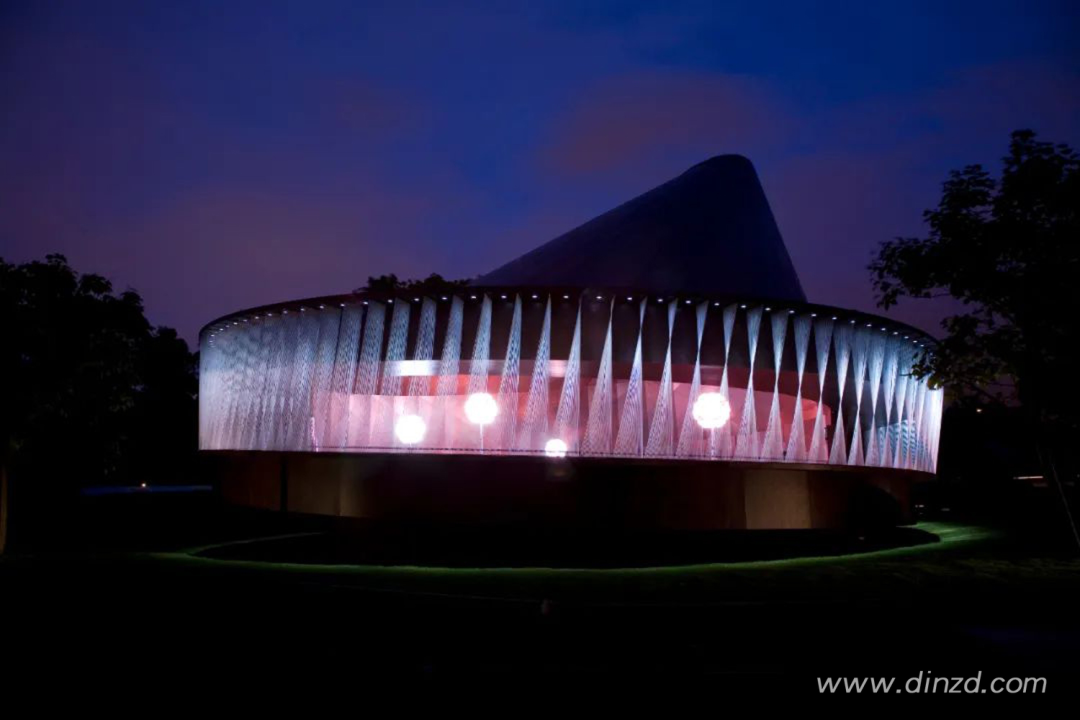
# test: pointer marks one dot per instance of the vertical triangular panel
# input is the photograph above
(293, 418)
(631, 437)
(450, 359)
(329, 326)
(746, 445)
(449, 367)
(773, 446)
(237, 400)
(843, 336)
(923, 455)
(875, 365)
(367, 368)
(303, 370)
(481, 355)
(691, 435)
(838, 453)
(506, 421)
(568, 415)
(856, 456)
(535, 425)
(420, 384)
(345, 366)
(225, 378)
(721, 443)
(598, 430)
(282, 377)
(662, 426)
(888, 399)
(860, 356)
(908, 446)
(917, 453)
(251, 385)
(796, 448)
(220, 372)
(244, 367)
(271, 340)
(903, 368)
(283, 357)
(420, 376)
(819, 448)
(395, 350)
(928, 427)
(383, 416)
(232, 375)
(209, 362)
(266, 335)
(935, 428)
(207, 359)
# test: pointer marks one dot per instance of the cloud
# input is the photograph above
(636, 119)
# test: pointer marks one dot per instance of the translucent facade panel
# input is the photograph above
(577, 374)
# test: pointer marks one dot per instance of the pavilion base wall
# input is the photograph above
(573, 493)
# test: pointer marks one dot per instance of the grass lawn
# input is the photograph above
(975, 599)
(967, 557)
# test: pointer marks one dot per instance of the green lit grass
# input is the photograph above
(967, 561)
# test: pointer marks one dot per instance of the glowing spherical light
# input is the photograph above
(410, 429)
(481, 409)
(711, 410)
(555, 448)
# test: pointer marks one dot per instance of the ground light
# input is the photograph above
(555, 448)
(410, 429)
(711, 410)
(480, 409)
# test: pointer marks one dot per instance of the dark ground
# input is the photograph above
(130, 594)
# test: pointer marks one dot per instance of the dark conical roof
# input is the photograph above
(710, 230)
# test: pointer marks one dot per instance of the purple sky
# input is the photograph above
(220, 155)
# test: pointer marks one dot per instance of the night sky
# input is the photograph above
(220, 155)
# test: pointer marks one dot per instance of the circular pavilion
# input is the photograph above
(657, 368)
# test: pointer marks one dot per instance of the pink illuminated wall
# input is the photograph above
(598, 374)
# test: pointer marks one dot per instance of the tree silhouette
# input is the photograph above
(1009, 249)
(92, 393)
(433, 284)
